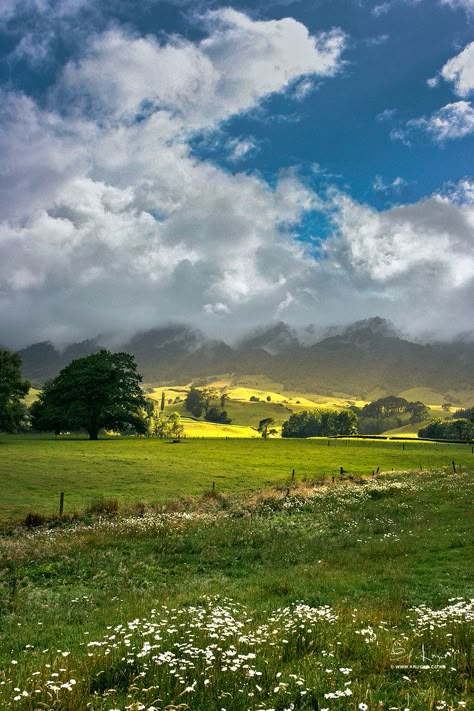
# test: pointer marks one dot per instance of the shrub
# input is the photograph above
(33, 520)
(103, 507)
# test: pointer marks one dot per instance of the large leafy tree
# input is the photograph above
(12, 391)
(194, 402)
(208, 395)
(92, 393)
(215, 415)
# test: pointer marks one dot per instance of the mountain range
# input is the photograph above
(366, 356)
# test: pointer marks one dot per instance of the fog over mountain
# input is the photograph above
(365, 356)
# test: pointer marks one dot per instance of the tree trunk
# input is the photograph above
(94, 434)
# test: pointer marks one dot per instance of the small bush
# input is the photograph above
(103, 507)
(33, 520)
(139, 508)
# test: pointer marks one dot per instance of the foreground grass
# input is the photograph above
(317, 586)
(33, 470)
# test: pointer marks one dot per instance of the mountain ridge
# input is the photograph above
(366, 355)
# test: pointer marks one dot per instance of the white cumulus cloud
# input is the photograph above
(452, 121)
(111, 224)
(240, 63)
(460, 71)
(414, 263)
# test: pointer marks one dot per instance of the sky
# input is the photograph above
(230, 166)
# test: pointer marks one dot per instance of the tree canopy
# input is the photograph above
(394, 406)
(194, 402)
(208, 395)
(465, 413)
(92, 393)
(389, 412)
(12, 391)
(264, 426)
(215, 415)
(167, 425)
(457, 429)
(320, 423)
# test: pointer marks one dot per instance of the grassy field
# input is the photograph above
(208, 579)
(33, 469)
(351, 597)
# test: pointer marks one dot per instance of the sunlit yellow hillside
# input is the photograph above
(198, 428)
(244, 389)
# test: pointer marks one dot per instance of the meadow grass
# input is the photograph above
(35, 469)
(354, 596)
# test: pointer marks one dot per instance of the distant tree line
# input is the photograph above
(388, 413)
(466, 414)
(374, 418)
(458, 428)
(320, 423)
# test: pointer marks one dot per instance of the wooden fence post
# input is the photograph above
(61, 503)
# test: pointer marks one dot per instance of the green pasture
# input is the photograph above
(34, 470)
